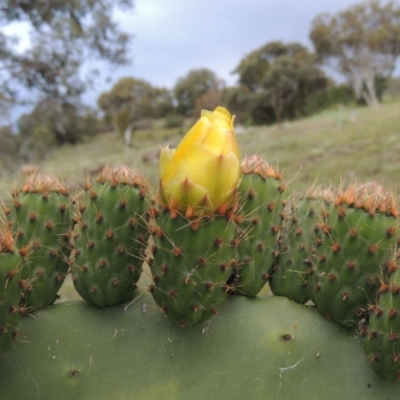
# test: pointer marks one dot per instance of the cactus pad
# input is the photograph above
(41, 220)
(300, 236)
(190, 266)
(382, 334)
(361, 234)
(258, 348)
(259, 217)
(111, 236)
(11, 264)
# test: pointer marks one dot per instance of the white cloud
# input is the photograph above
(20, 32)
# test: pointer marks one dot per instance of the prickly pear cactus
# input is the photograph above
(190, 265)
(40, 218)
(382, 333)
(299, 238)
(259, 219)
(11, 265)
(111, 237)
(361, 233)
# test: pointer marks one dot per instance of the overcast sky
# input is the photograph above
(174, 36)
(171, 37)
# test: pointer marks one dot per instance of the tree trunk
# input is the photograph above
(128, 134)
(115, 125)
(369, 92)
(362, 79)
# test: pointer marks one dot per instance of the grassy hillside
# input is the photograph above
(362, 144)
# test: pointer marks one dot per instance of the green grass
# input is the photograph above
(73, 162)
(362, 144)
(346, 144)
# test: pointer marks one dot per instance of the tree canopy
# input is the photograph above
(362, 43)
(63, 36)
(193, 86)
(276, 79)
(131, 100)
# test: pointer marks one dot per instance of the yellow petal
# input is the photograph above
(167, 164)
(221, 141)
(220, 116)
(205, 168)
(216, 173)
(228, 179)
(194, 135)
(179, 173)
(188, 193)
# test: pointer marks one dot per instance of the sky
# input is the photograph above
(172, 37)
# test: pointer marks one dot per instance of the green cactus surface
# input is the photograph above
(111, 237)
(11, 264)
(259, 219)
(41, 220)
(191, 265)
(361, 234)
(382, 334)
(257, 348)
(299, 238)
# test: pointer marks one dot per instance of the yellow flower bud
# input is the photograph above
(203, 172)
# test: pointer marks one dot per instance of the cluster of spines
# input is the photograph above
(110, 236)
